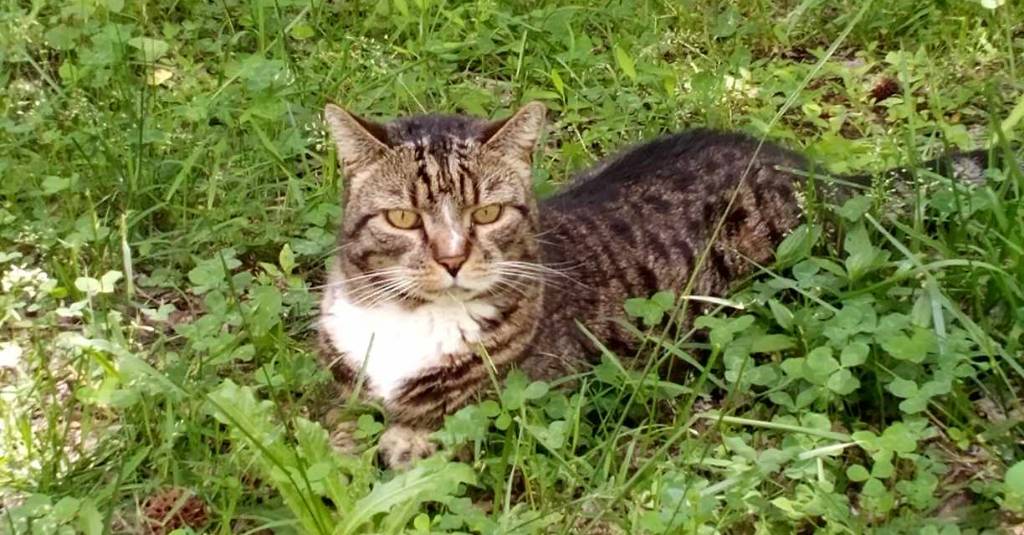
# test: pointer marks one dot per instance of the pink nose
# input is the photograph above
(451, 263)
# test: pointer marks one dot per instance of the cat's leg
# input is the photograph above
(340, 422)
(400, 446)
(341, 432)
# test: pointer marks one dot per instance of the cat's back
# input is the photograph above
(695, 160)
(663, 196)
(641, 221)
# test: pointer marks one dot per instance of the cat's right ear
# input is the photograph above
(518, 134)
(359, 142)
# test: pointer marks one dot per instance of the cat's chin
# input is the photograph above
(454, 293)
(462, 287)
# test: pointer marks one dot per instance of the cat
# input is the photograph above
(449, 271)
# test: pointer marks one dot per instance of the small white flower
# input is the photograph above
(31, 281)
(740, 85)
(10, 355)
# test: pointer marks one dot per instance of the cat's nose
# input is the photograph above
(451, 263)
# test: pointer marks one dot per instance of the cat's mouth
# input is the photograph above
(459, 288)
(460, 293)
(452, 293)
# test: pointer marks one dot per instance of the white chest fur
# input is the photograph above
(393, 344)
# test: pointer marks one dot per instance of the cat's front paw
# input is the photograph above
(401, 446)
(342, 438)
(341, 433)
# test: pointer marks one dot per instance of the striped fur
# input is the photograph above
(636, 224)
(427, 340)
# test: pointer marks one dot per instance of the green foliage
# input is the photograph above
(168, 202)
(308, 470)
(651, 310)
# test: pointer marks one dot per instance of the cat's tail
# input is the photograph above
(967, 168)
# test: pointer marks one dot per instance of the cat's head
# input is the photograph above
(436, 206)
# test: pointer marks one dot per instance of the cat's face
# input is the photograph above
(436, 207)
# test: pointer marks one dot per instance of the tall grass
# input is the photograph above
(169, 199)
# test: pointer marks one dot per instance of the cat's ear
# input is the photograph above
(359, 141)
(518, 134)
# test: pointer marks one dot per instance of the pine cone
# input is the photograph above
(171, 508)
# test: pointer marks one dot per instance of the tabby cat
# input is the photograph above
(449, 269)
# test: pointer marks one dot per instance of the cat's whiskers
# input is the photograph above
(511, 284)
(385, 296)
(375, 286)
(555, 267)
(544, 232)
(393, 293)
(521, 274)
(526, 281)
(335, 250)
(548, 243)
(537, 271)
(380, 273)
(376, 292)
(366, 294)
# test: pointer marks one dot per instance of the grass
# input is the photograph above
(169, 197)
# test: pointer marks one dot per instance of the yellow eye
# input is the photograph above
(403, 219)
(487, 214)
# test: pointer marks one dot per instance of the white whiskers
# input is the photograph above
(393, 283)
(380, 286)
(518, 275)
(373, 295)
(379, 273)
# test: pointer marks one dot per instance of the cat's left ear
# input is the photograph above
(518, 134)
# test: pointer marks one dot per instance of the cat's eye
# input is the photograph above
(487, 214)
(403, 219)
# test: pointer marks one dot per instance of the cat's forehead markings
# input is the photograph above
(431, 163)
(456, 237)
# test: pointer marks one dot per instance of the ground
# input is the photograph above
(169, 198)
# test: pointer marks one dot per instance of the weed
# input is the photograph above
(169, 199)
